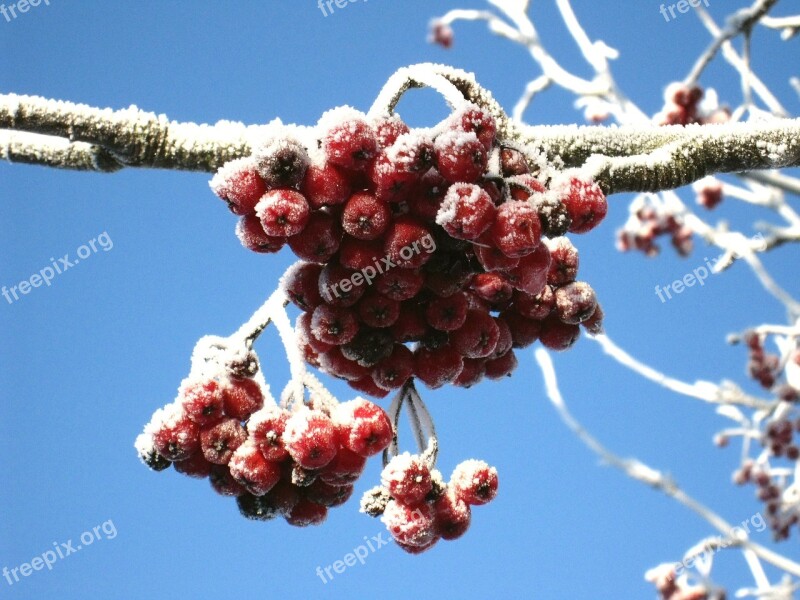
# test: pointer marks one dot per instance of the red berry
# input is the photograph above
(460, 156)
(283, 212)
(477, 120)
(310, 438)
(365, 217)
(399, 284)
(306, 513)
(435, 367)
(177, 436)
(335, 363)
(512, 162)
(408, 244)
(477, 338)
(345, 468)
(427, 196)
(535, 307)
(410, 325)
(522, 187)
(407, 478)
(252, 471)
(266, 430)
(319, 240)
(558, 335)
(411, 153)
(241, 398)
(474, 482)
(223, 482)
(564, 261)
(239, 184)
(350, 142)
(325, 185)
(410, 525)
(203, 402)
(492, 287)
(281, 162)
(394, 370)
(524, 331)
(530, 275)
(366, 385)
(575, 302)
(326, 494)
(466, 212)
(441, 34)
(365, 427)
(391, 183)
(516, 230)
(388, 129)
(251, 233)
(377, 310)
(452, 516)
(472, 373)
(301, 283)
(219, 441)
(339, 286)
(594, 324)
(195, 466)
(491, 257)
(502, 366)
(304, 335)
(505, 339)
(447, 314)
(586, 204)
(358, 255)
(333, 324)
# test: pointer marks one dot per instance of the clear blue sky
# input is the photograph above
(84, 362)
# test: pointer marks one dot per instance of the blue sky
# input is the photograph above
(85, 361)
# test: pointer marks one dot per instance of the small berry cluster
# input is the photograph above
(440, 237)
(419, 509)
(762, 366)
(276, 462)
(682, 107)
(782, 513)
(708, 191)
(649, 221)
(672, 586)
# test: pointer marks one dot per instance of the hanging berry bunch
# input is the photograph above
(448, 238)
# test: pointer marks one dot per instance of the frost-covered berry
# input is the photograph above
(477, 337)
(594, 324)
(407, 478)
(365, 217)
(344, 469)
(283, 212)
(524, 331)
(516, 230)
(328, 495)
(477, 120)
(436, 367)
(708, 192)
(492, 287)
(460, 156)
(311, 438)
(472, 372)
(388, 129)
(219, 441)
(411, 153)
(512, 162)
(203, 402)
(394, 370)
(501, 366)
(338, 287)
(399, 284)
(564, 261)
(257, 508)
(474, 482)
(349, 142)
(491, 257)
(325, 185)
(176, 436)
(392, 184)
(410, 525)
(447, 314)
(241, 398)
(408, 243)
(266, 430)
(148, 453)
(557, 335)
(376, 310)
(358, 255)
(337, 364)
(530, 275)
(306, 513)
(466, 211)
(301, 283)
(452, 516)
(281, 162)
(319, 240)
(575, 302)
(252, 471)
(535, 307)
(253, 237)
(334, 324)
(364, 427)
(586, 204)
(427, 196)
(366, 385)
(239, 184)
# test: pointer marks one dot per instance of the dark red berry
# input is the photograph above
(253, 237)
(283, 212)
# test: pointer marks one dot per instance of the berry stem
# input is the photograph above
(421, 424)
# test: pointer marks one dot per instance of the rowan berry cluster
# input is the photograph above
(762, 366)
(708, 191)
(671, 586)
(682, 107)
(439, 237)
(649, 221)
(293, 463)
(419, 509)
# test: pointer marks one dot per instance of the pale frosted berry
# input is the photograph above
(436, 367)
(325, 185)
(252, 471)
(410, 525)
(516, 230)
(350, 144)
(241, 398)
(283, 212)
(557, 335)
(460, 156)
(477, 120)
(239, 184)
(311, 438)
(319, 240)
(219, 441)
(575, 302)
(266, 430)
(466, 211)
(564, 261)
(452, 516)
(177, 436)
(306, 513)
(538, 306)
(253, 237)
(344, 469)
(334, 325)
(477, 337)
(474, 482)
(512, 162)
(364, 427)
(586, 204)
(203, 402)
(411, 153)
(301, 283)
(388, 129)
(391, 184)
(281, 162)
(407, 478)
(365, 217)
